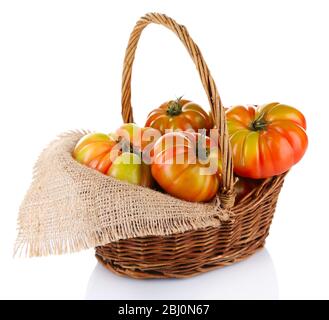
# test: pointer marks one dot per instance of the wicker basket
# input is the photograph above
(193, 252)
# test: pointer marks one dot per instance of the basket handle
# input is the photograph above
(226, 191)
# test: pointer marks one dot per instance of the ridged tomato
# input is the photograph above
(179, 114)
(185, 170)
(266, 140)
(94, 150)
(110, 156)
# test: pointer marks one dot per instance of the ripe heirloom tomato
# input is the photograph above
(266, 140)
(114, 157)
(184, 170)
(179, 114)
(94, 150)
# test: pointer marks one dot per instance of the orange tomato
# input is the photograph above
(179, 114)
(94, 150)
(183, 169)
(266, 140)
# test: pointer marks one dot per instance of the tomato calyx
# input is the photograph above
(174, 107)
(126, 146)
(258, 125)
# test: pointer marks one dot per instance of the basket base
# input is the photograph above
(139, 273)
(190, 253)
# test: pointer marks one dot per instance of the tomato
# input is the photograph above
(129, 167)
(244, 186)
(184, 170)
(266, 140)
(105, 153)
(179, 114)
(140, 138)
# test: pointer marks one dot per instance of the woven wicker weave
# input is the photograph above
(193, 252)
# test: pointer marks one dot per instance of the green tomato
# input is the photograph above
(127, 167)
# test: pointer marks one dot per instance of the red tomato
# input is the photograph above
(266, 140)
(179, 114)
(185, 171)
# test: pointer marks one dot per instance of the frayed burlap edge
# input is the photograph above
(70, 207)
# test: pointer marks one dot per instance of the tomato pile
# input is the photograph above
(177, 151)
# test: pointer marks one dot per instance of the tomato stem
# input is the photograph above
(126, 146)
(258, 125)
(174, 107)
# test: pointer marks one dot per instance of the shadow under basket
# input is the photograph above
(190, 253)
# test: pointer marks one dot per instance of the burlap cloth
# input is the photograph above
(70, 207)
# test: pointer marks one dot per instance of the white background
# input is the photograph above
(60, 69)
